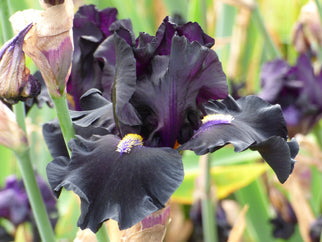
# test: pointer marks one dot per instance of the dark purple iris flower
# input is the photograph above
(297, 89)
(159, 94)
(14, 203)
(91, 32)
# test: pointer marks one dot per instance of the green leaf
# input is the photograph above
(8, 164)
(227, 179)
(258, 216)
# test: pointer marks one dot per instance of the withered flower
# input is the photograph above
(49, 42)
(11, 135)
(307, 34)
(16, 83)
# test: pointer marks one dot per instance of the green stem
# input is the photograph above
(317, 131)
(34, 195)
(64, 118)
(259, 22)
(19, 110)
(29, 179)
(7, 32)
(319, 9)
(208, 212)
(102, 234)
(316, 175)
(68, 132)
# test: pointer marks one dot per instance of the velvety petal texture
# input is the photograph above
(148, 46)
(168, 97)
(96, 119)
(91, 28)
(125, 187)
(248, 122)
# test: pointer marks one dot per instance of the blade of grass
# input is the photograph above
(7, 164)
(258, 213)
(5, 13)
(259, 22)
(224, 28)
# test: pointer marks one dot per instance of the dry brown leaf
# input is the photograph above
(237, 231)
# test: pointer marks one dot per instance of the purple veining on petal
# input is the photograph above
(156, 219)
(59, 60)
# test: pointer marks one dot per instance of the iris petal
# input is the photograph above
(256, 124)
(125, 187)
(177, 84)
(148, 46)
(124, 84)
(96, 119)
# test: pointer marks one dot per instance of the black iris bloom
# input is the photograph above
(150, 98)
(297, 89)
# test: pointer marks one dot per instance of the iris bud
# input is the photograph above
(49, 43)
(307, 35)
(16, 83)
(52, 2)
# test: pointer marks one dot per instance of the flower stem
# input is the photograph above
(259, 22)
(19, 110)
(64, 118)
(7, 32)
(68, 132)
(34, 195)
(207, 208)
(29, 179)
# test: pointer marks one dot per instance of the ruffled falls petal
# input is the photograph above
(249, 122)
(125, 186)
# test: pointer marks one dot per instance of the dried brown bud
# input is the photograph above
(307, 34)
(16, 83)
(49, 43)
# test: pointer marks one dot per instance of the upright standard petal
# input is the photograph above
(124, 84)
(167, 98)
(117, 179)
(249, 122)
(149, 46)
(92, 28)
